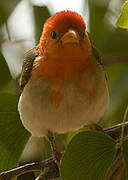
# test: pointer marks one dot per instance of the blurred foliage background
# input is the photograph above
(21, 24)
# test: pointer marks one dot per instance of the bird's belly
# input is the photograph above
(39, 113)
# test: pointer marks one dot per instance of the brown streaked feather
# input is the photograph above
(27, 67)
(97, 56)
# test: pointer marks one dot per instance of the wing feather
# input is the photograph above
(97, 56)
(27, 67)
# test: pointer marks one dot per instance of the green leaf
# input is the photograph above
(61, 141)
(125, 156)
(13, 137)
(41, 15)
(4, 72)
(88, 156)
(123, 18)
(6, 8)
(74, 133)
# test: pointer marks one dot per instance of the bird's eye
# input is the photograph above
(53, 34)
(82, 35)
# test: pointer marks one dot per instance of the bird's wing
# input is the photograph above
(27, 67)
(97, 56)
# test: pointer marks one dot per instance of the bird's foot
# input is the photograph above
(55, 153)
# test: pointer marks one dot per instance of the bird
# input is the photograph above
(63, 83)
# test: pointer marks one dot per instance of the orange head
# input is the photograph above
(64, 46)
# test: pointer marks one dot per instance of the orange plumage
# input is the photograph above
(67, 88)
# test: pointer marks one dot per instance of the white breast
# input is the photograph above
(38, 113)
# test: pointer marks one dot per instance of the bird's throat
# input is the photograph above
(65, 70)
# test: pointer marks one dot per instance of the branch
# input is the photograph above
(115, 131)
(35, 166)
(49, 167)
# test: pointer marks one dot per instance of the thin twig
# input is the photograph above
(35, 166)
(115, 131)
(123, 126)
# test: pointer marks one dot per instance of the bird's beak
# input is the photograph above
(70, 37)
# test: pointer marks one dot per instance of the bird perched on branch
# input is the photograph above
(63, 84)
